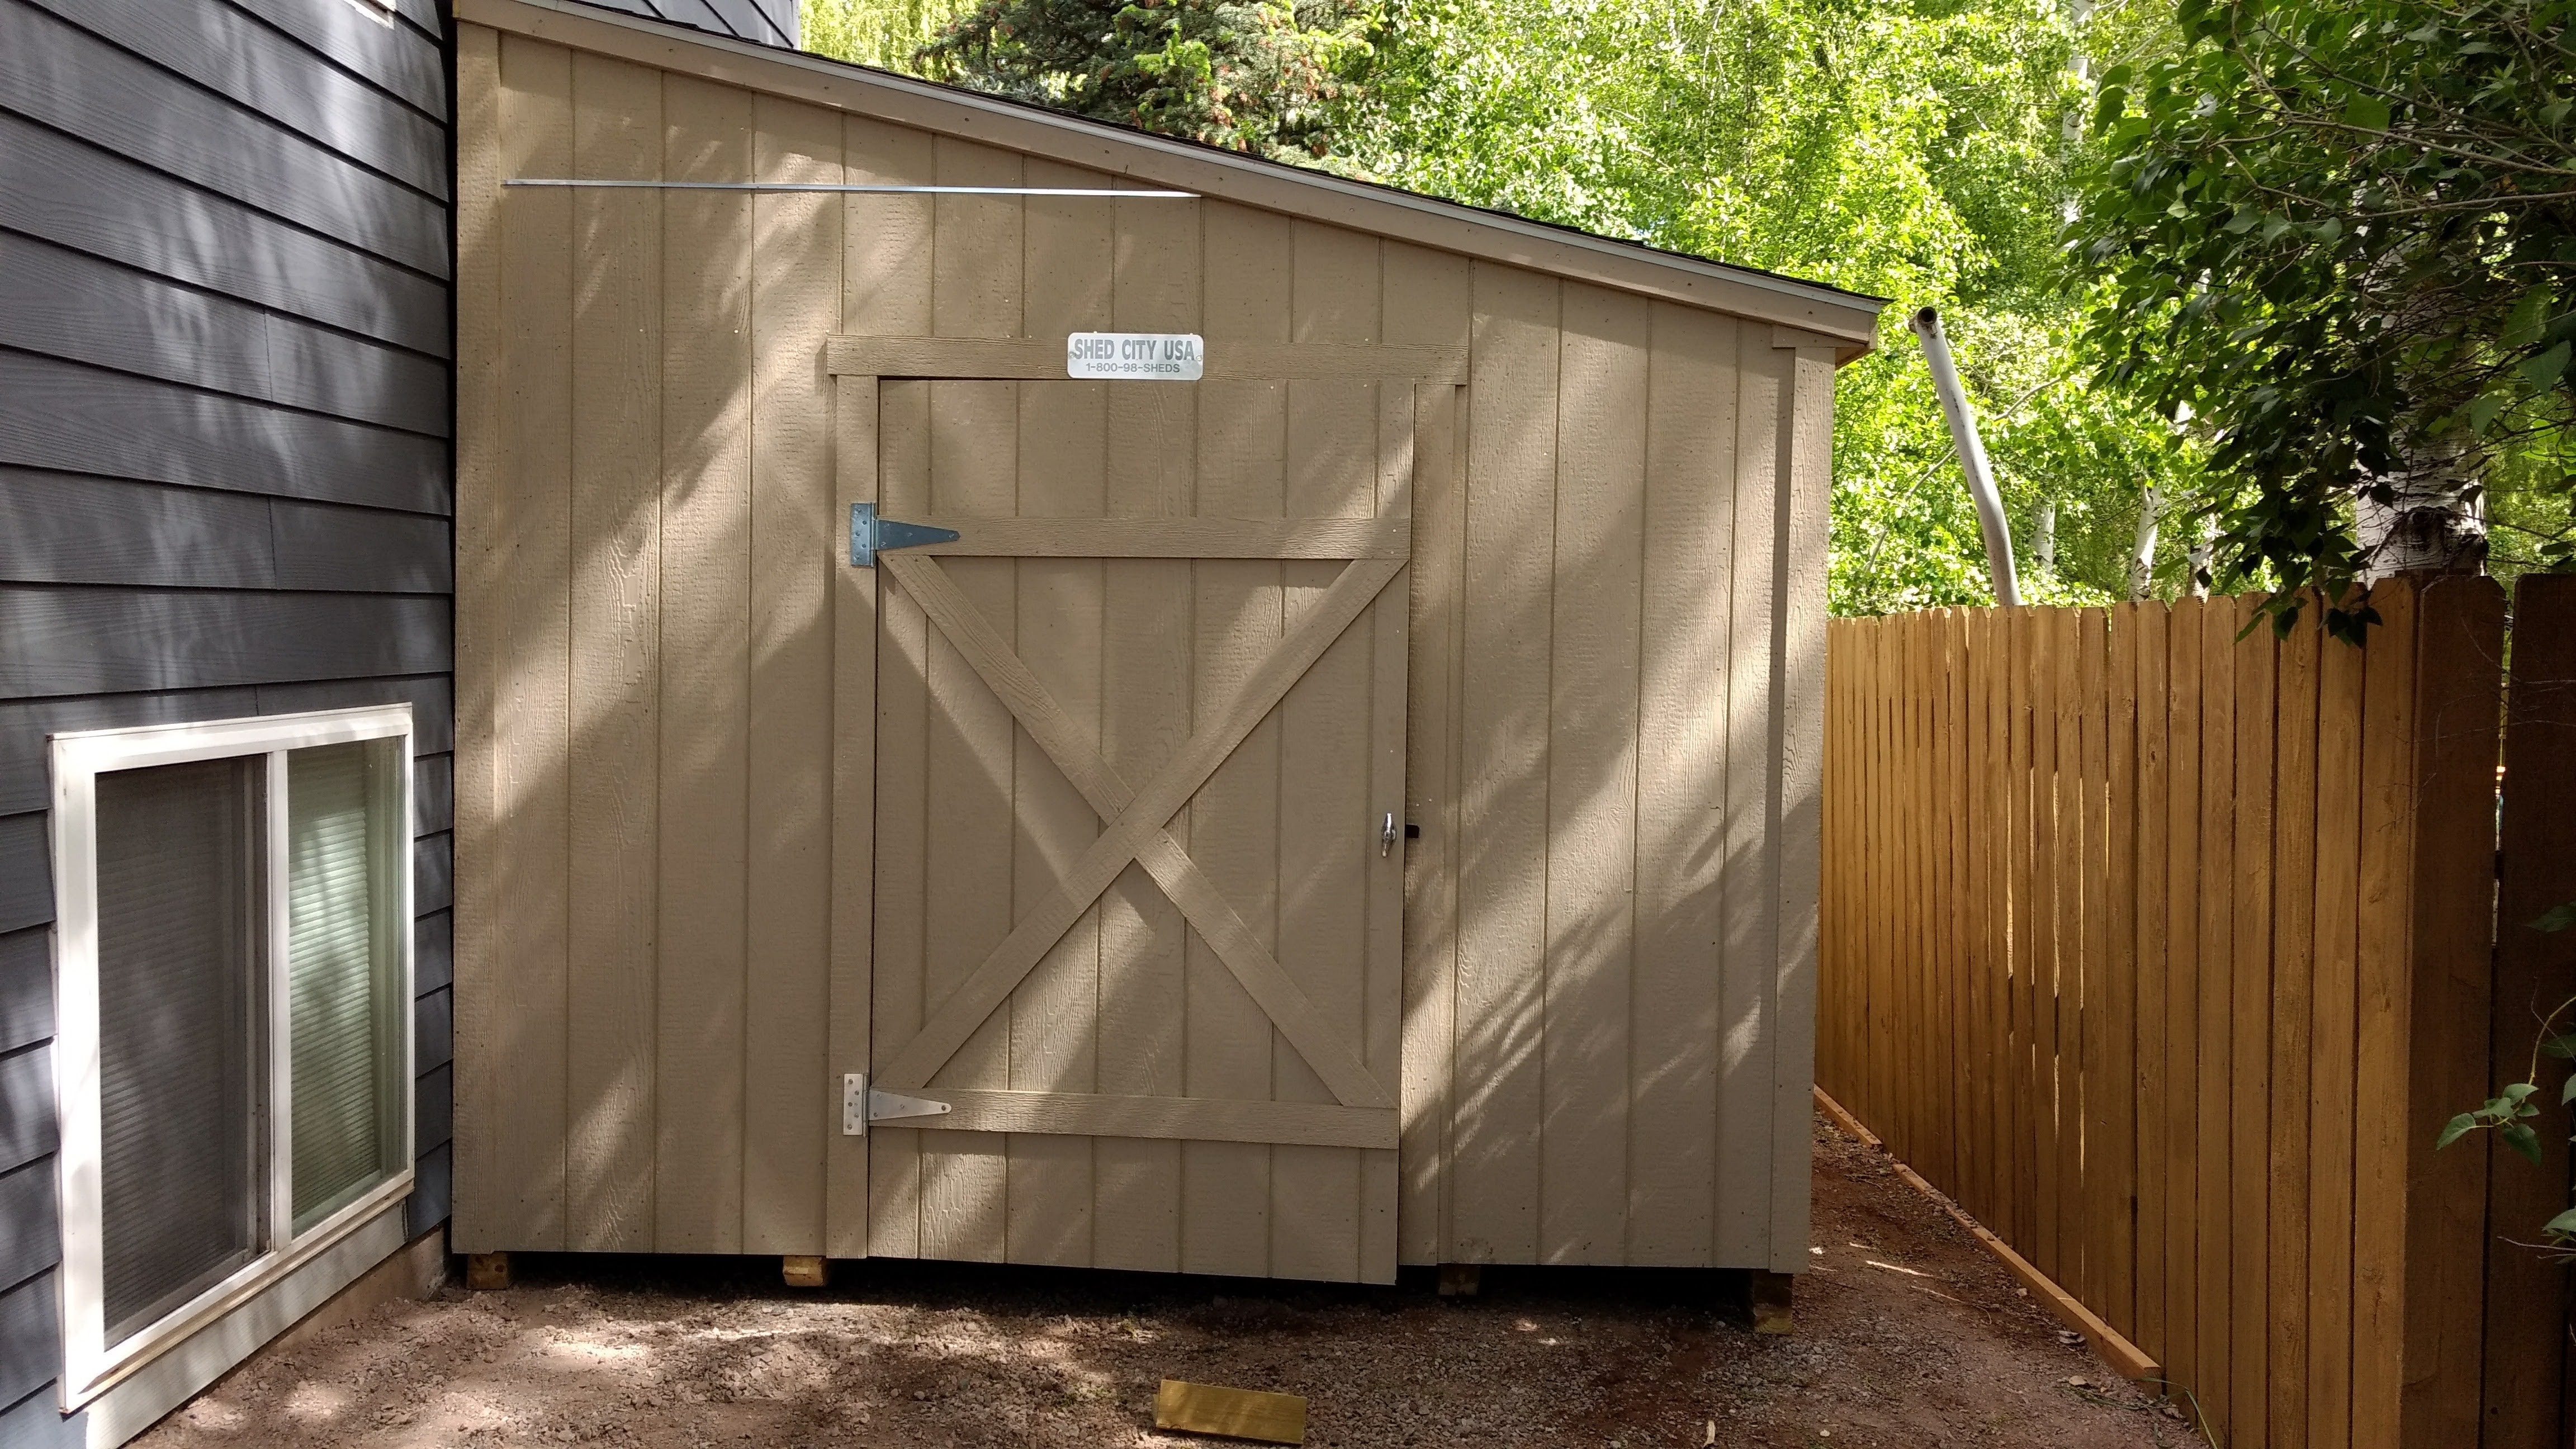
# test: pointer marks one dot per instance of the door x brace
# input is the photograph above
(1134, 830)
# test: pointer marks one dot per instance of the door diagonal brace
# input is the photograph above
(1132, 832)
(1108, 792)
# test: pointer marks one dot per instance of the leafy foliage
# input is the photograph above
(1265, 76)
(2505, 1114)
(1914, 150)
(881, 33)
(2343, 234)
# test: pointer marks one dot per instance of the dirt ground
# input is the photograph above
(1907, 1335)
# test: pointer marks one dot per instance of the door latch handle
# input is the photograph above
(1386, 836)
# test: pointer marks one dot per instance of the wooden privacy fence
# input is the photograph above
(2166, 947)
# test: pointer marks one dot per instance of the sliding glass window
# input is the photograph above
(234, 1055)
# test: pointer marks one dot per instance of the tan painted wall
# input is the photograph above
(1617, 651)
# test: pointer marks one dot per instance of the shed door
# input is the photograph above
(1139, 824)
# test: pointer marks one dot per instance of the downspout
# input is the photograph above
(1972, 458)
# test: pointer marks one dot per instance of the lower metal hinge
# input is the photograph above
(862, 1104)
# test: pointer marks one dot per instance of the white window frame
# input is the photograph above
(91, 1365)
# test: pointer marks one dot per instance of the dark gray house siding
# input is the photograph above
(765, 22)
(225, 483)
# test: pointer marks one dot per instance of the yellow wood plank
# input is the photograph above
(1235, 1413)
(2022, 1086)
(1502, 887)
(531, 744)
(482, 473)
(2115, 1150)
(1382, 974)
(706, 671)
(2003, 889)
(1178, 538)
(1688, 541)
(1428, 297)
(970, 901)
(1595, 635)
(1966, 845)
(1042, 354)
(2214, 893)
(2079, 777)
(1063, 447)
(1807, 474)
(616, 660)
(1748, 956)
(2450, 976)
(1145, 715)
(900, 979)
(2329, 1117)
(885, 287)
(2383, 945)
(2179, 1168)
(2147, 624)
(2293, 1010)
(2250, 1032)
(788, 1088)
(1332, 470)
(2047, 955)
(978, 290)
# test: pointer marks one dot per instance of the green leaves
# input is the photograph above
(2541, 371)
(2558, 918)
(2380, 192)
(2504, 1113)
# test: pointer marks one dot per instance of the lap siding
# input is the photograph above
(225, 479)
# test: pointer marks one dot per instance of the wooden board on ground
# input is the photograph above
(1235, 1413)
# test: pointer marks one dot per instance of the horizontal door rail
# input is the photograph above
(1308, 538)
(1192, 1119)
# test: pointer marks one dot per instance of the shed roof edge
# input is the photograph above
(1847, 317)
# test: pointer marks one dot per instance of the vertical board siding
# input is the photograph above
(1608, 921)
(224, 467)
(2249, 977)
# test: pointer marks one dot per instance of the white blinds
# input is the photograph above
(337, 981)
(183, 1170)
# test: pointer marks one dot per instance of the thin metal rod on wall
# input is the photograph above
(828, 186)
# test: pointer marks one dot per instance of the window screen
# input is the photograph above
(183, 1173)
(340, 968)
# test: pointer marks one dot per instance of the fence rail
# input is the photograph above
(2165, 947)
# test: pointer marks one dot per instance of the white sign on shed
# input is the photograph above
(1136, 356)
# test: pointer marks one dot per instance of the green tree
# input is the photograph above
(1266, 76)
(1919, 151)
(882, 33)
(2340, 235)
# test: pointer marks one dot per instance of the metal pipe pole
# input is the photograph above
(1972, 457)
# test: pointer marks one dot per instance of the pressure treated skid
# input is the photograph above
(737, 818)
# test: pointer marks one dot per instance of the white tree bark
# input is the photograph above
(2433, 522)
(2142, 555)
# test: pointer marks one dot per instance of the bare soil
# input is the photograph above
(1907, 1334)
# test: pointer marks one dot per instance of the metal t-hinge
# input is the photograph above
(871, 535)
(862, 1104)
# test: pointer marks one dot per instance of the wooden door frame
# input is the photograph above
(1379, 549)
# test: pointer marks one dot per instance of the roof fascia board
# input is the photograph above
(1850, 319)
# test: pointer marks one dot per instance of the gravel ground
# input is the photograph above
(1907, 1335)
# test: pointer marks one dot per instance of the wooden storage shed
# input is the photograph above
(1355, 808)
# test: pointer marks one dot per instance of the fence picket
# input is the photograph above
(2156, 941)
